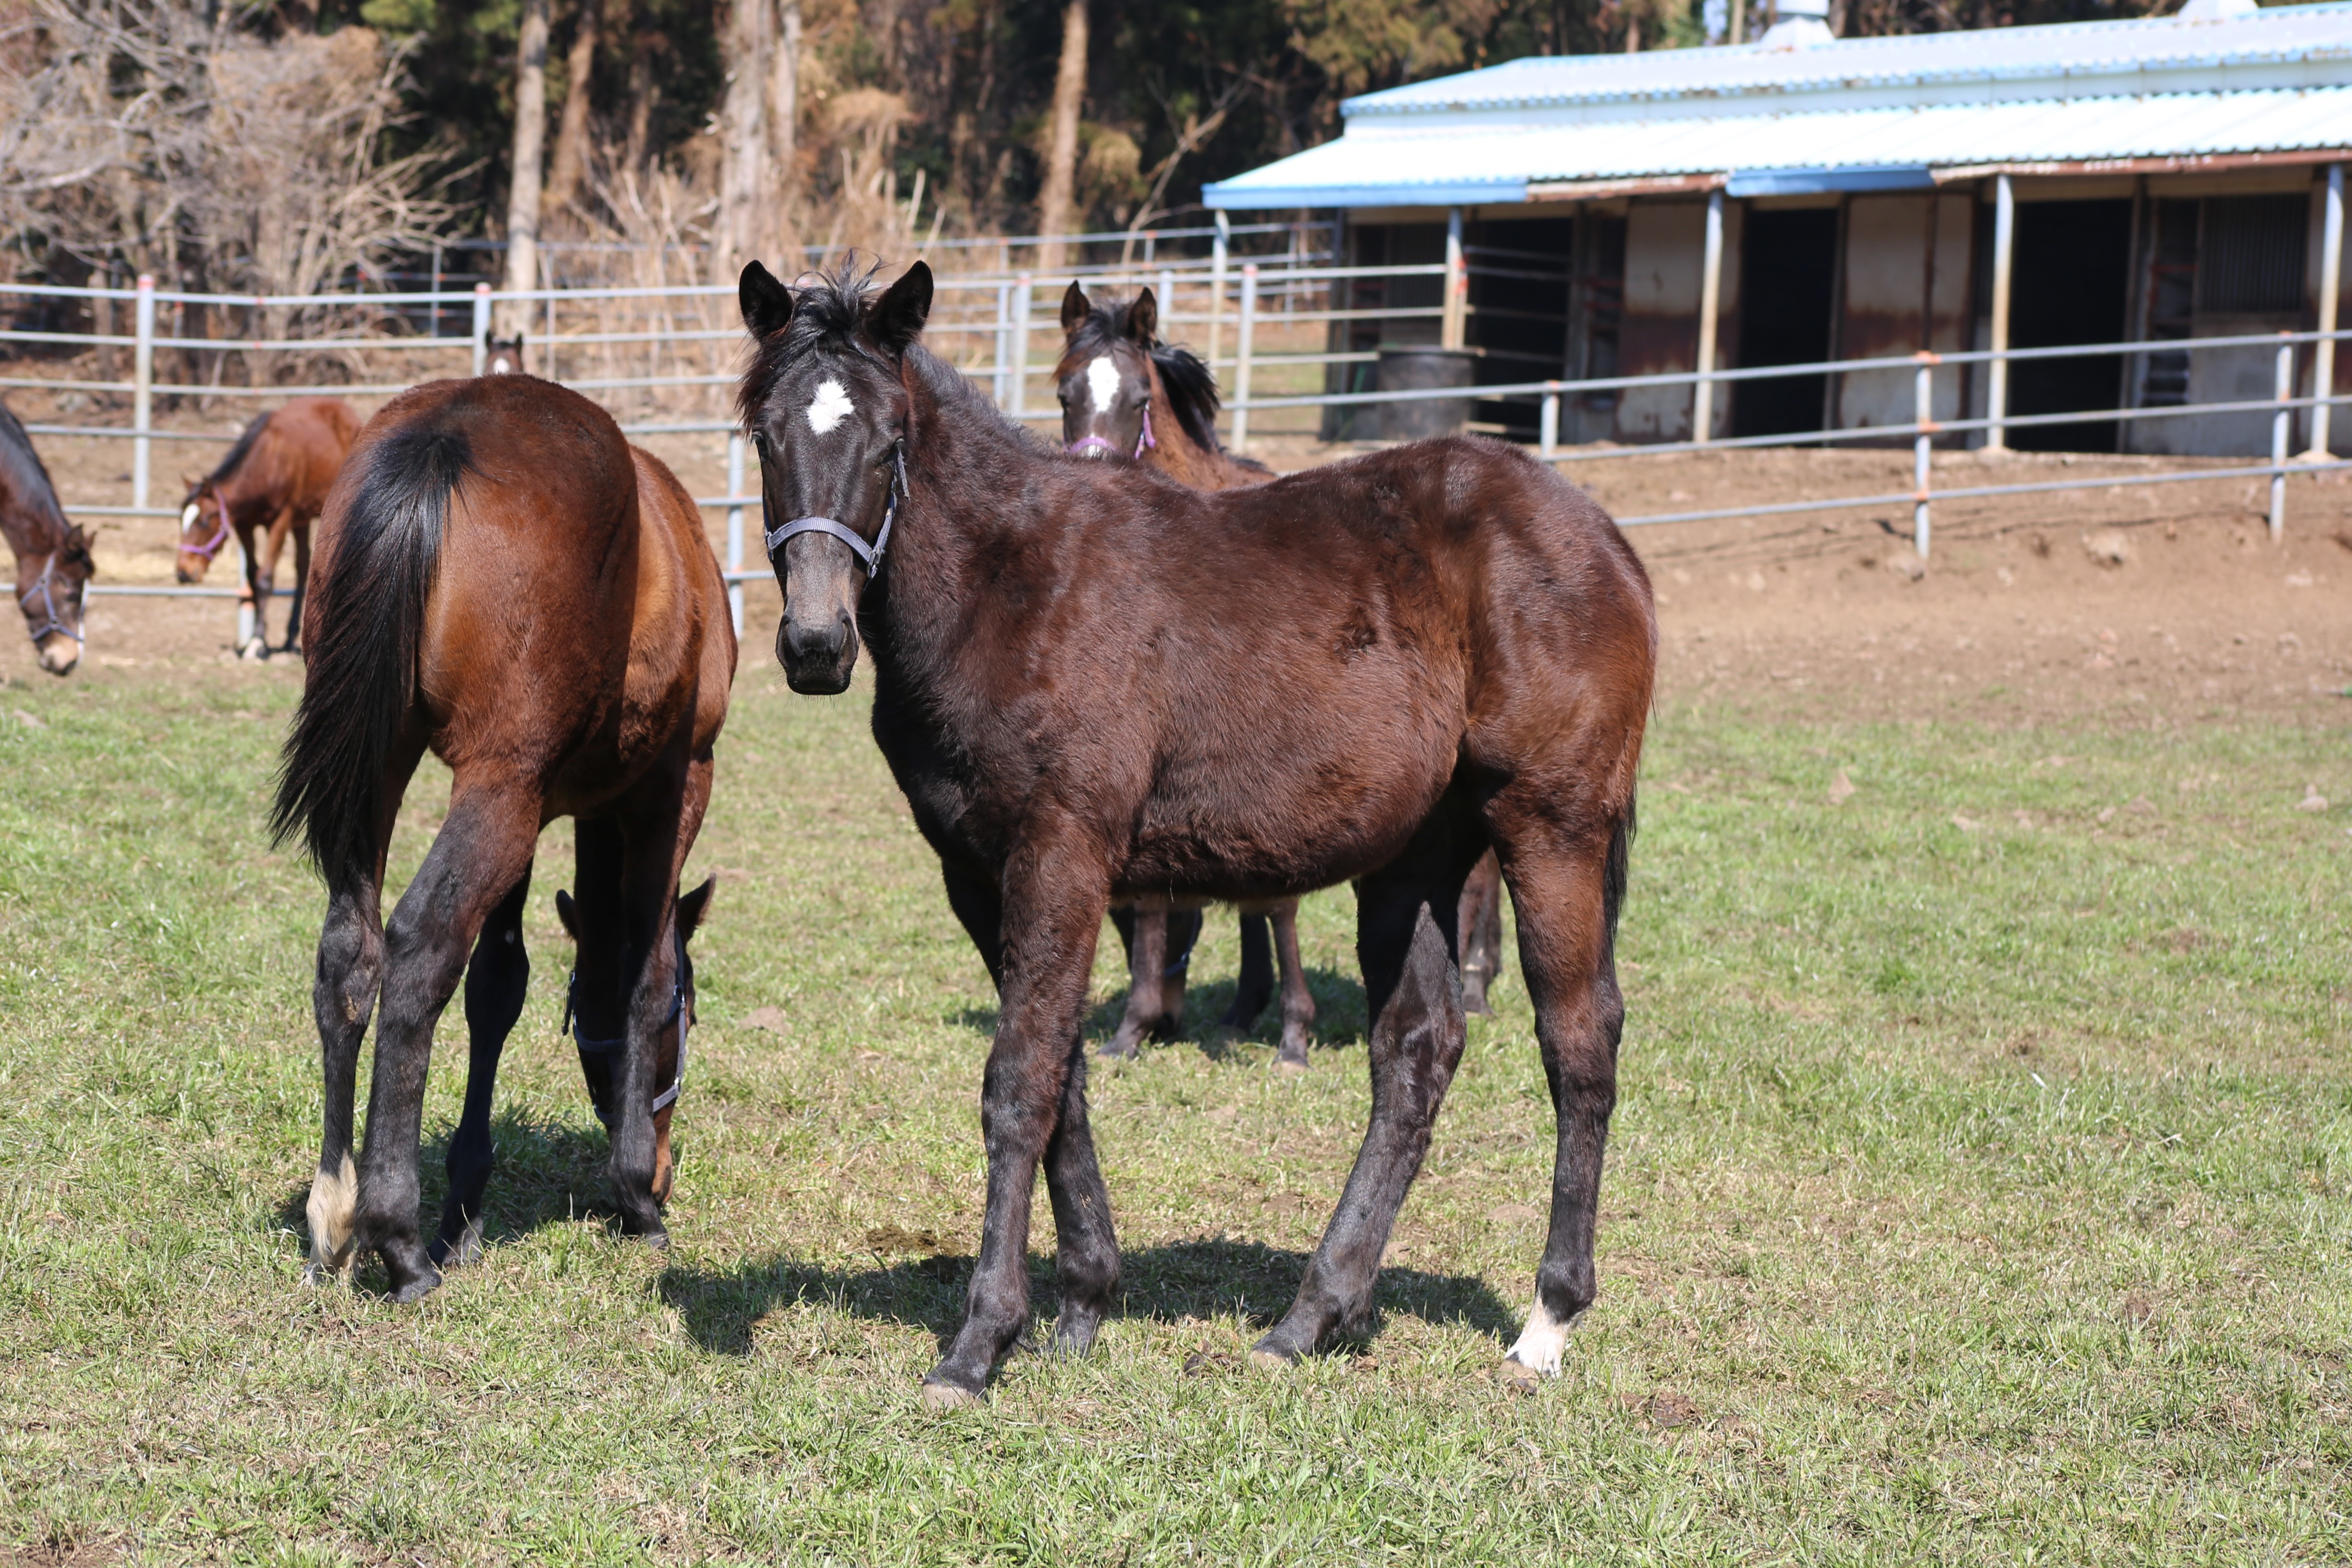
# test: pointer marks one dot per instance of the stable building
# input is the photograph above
(2144, 182)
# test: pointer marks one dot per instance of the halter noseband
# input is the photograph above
(868, 556)
(48, 603)
(1143, 442)
(589, 1047)
(212, 547)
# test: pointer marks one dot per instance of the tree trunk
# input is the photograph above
(530, 153)
(570, 161)
(783, 123)
(643, 91)
(1057, 202)
(743, 168)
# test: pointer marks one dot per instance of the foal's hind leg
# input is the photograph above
(1566, 895)
(1147, 961)
(350, 969)
(1297, 1005)
(495, 984)
(301, 582)
(1480, 924)
(1254, 987)
(1405, 943)
(484, 847)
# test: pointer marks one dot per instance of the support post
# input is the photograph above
(735, 526)
(1003, 331)
(1548, 438)
(1220, 250)
(481, 328)
(1710, 305)
(1244, 344)
(1924, 399)
(1023, 288)
(2281, 424)
(1167, 300)
(435, 330)
(143, 388)
(1453, 326)
(2004, 236)
(2331, 290)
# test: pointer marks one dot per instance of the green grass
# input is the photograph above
(1977, 1195)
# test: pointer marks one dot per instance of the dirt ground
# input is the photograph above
(2129, 604)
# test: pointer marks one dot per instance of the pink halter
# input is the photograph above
(1143, 442)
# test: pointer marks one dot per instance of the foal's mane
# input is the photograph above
(28, 476)
(1190, 385)
(240, 452)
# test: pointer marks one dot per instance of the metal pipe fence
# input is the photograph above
(672, 351)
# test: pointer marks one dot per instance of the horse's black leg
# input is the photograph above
(1147, 961)
(1297, 1004)
(651, 837)
(1183, 935)
(350, 969)
(256, 639)
(1481, 925)
(1255, 987)
(302, 582)
(1405, 943)
(1566, 894)
(483, 845)
(496, 981)
(1053, 905)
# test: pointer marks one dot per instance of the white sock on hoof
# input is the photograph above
(334, 1195)
(1539, 1347)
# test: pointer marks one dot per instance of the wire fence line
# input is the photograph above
(664, 358)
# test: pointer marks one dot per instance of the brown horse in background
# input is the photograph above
(272, 482)
(1113, 372)
(1094, 684)
(53, 563)
(505, 580)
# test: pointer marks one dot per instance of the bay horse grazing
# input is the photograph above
(271, 483)
(1070, 659)
(504, 580)
(53, 561)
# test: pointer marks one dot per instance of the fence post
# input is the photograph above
(142, 387)
(1219, 248)
(1548, 436)
(2004, 235)
(481, 328)
(1023, 288)
(1453, 326)
(1710, 302)
(435, 331)
(735, 526)
(2331, 284)
(2280, 423)
(1924, 398)
(1004, 327)
(1243, 344)
(1167, 298)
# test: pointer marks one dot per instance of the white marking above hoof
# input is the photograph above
(829, 408)
(1539, 1347)
(333, 1195)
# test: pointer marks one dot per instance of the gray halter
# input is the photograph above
(589, 1047)
(49, 602)
(868, 556)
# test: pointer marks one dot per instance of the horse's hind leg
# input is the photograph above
(1405, 943)
(1297, 1004)
(496, 981)
(1481, 925)
(1254, 986)
(483, 848)
(342, 994)
(1566, 897)
(1147, 961)
(302, 582)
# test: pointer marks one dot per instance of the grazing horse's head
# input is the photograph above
(505, 355)
(826, 410)
(601, 1066)
(1105, 377)
(49, 588)
(204, 529)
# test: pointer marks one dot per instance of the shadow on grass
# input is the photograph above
(1177, 1280)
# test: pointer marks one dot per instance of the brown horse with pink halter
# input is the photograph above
(272, 482)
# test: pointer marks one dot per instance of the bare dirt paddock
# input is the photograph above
(2128, 605)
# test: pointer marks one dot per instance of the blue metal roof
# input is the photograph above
(1866, 113)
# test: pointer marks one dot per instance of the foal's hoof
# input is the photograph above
(1292, 1058)
(417, 1287)
(458, 1251)
(1521, 1378)
(1120, 1048)
(948, 1396)
(1271, 1359)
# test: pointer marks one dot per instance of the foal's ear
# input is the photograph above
(693, 906)
(767, 304)
(1074, 306)
(896, 320)
(568, 912)
(1143, 322)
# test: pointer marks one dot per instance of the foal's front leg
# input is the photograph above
(1298, 1003)
(1053, 902)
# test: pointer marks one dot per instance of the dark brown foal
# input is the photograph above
(505, 580)
(1075, 709)
(270, 486)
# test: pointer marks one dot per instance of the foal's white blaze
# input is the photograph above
(829, 407)
(1539, 1349)
(1102, 381)
(188, 515)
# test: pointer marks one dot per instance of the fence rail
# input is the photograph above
(684, 340)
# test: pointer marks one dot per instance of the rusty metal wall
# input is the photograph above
(1665, 243)
(1906, 288)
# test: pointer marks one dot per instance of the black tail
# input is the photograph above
(1614, 871)
(360, 638)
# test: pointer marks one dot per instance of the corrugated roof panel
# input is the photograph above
(1407, 164)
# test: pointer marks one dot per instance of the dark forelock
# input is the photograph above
(827, 311)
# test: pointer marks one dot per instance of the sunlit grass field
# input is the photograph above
(1982, 1191)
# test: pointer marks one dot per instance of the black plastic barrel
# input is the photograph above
(1418, 367)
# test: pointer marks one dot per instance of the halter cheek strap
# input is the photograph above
(589, 1047)
(48, 604)
(868, 556)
